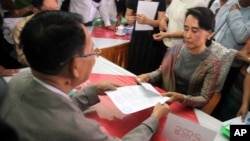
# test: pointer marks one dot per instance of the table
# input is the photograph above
(117, 54)
(114, 49)
(117, 123)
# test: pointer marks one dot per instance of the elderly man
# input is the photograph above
(60, 52)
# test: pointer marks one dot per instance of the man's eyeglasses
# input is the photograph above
(96, 52)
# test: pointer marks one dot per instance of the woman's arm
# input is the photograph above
(130, 17)
(246, 97)
(208, 86)
(162, 35)
(153, 77)
(142, 19)
(238, 25)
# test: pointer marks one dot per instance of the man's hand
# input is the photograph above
(160, 110)
(105, 86)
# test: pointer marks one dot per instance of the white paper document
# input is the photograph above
(130, 99)
(180, 129)
(148, 9)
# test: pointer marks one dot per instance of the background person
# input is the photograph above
(232, 31)
(89, 9)
(8, 59)
(144, 53)
(171, 25)
(244, 108)
(38, 6)
(236, 102)
(121, 10)
(16, 8)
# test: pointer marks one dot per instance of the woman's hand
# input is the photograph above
(131, 19)
(160, 36)
(174, 96)
(141, 19)
(163, 25)
(111, 27)
(142, 78)
(243, 112)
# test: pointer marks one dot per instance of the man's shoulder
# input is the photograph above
(22, 76)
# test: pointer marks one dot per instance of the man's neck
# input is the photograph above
(55, 81)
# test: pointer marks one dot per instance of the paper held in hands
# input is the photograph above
(149, 9)
(131, 99)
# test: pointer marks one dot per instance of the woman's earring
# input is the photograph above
(209, 42)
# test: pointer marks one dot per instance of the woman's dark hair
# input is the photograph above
(50, 38)
(205, 17)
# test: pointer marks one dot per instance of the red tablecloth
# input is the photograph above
(102, 32)
(118, 124)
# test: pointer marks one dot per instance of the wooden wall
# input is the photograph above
(117, 54)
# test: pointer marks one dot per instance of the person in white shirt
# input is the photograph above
(89, 9)
(171, 26)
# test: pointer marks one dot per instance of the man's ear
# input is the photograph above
(74, 68)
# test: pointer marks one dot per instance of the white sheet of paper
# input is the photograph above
(130, 99)
(180, 129)
(149, 87)
(148, 9)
